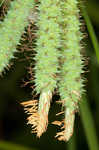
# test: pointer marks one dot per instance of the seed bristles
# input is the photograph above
(66, 126)
(30, 108)
(38, 112)
(43, 110)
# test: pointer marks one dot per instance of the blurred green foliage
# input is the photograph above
(14, 133)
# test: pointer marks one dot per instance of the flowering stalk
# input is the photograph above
(12, 28)
(48, 42)
(70, 85)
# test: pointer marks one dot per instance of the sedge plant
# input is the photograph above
(58, 59)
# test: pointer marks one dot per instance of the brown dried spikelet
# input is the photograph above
(66, 125)
(38, 113)
(43, 110)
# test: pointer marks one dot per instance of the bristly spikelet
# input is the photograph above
(12, 28)
(48, 42)
(70, 85)
(38, 115)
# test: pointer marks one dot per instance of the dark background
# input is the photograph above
(13, 127)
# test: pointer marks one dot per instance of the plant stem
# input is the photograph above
(88, 124)
(91, 32)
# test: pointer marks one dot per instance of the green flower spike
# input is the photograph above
(47, 53)
(12, 28)
(70, 85)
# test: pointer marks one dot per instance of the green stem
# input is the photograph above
(91, 32)
(92, 8)
(86, 115)
(88, 124)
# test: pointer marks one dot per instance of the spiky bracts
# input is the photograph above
(70, 85)
(47, 53)
(11, 29)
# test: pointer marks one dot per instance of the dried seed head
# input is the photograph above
(44, 105)
(66, 126)
(38, 113)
